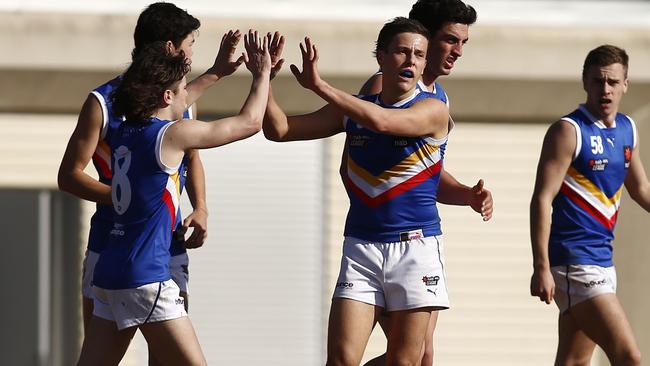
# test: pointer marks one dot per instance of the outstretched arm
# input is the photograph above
(224, 65)
(80, 149)
(555, 159)
(193, 134)
(426, 117)
(277, 126)
(636, 182)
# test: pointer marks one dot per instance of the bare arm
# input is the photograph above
(194, 134)
(224, 65)
(80, 149)
(322, 123)
(452, 192)
(636, 182)
(555, 159)
(277, 126)
(195, 186)
(427, 117)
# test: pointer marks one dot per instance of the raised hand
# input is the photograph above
(276, 46)
(257, 57)
(481, 200)
(224, 63)
(309, 77)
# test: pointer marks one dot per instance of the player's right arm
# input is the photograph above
(224, 64)
(80, 149)
(556, 156)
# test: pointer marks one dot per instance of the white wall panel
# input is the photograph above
(255, 286)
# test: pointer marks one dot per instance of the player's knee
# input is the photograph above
(404, 359)
(343, 357)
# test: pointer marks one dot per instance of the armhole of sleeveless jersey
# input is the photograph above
(634, 133)
(102, 103)
(159, 139)
(578, 136)
(437, 142)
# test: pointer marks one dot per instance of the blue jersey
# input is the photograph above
(391, 181)
(145, 195)
(101, 222)
(586, 207)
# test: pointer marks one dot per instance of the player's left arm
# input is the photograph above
(195, 185)
(636, 182)
(453, 192)
(224, 64)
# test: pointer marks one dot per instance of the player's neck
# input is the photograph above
(429, 79)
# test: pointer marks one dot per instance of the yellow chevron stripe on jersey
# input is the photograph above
(593, 190)
(426, 152)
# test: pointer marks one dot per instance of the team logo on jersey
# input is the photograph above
(359, 140)
(598, 165)
(431, 280)
(627, 153)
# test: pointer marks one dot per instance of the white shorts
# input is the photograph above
(577, 282)
(179, 268)
(148, 303)
(90, 260)
(396, 276)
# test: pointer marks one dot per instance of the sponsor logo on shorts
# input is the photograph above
(344, 285)
(432, 291)
(591, 284)
(431, 280)
(180, 301)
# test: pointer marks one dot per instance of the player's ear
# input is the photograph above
(170, 47)
(168, 97)
(380, 55)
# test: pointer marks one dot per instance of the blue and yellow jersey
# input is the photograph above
(391, 181)
(586, 207)
(145, 194)
(102, 221)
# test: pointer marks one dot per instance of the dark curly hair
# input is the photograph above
(605, 55)
(434, 13)
(163, 22)
(395, 27)
(141, 89)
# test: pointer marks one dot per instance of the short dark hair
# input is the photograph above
(153, 71)
(434, 13)
(163, 22)
(605, 55)
(395, 27)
